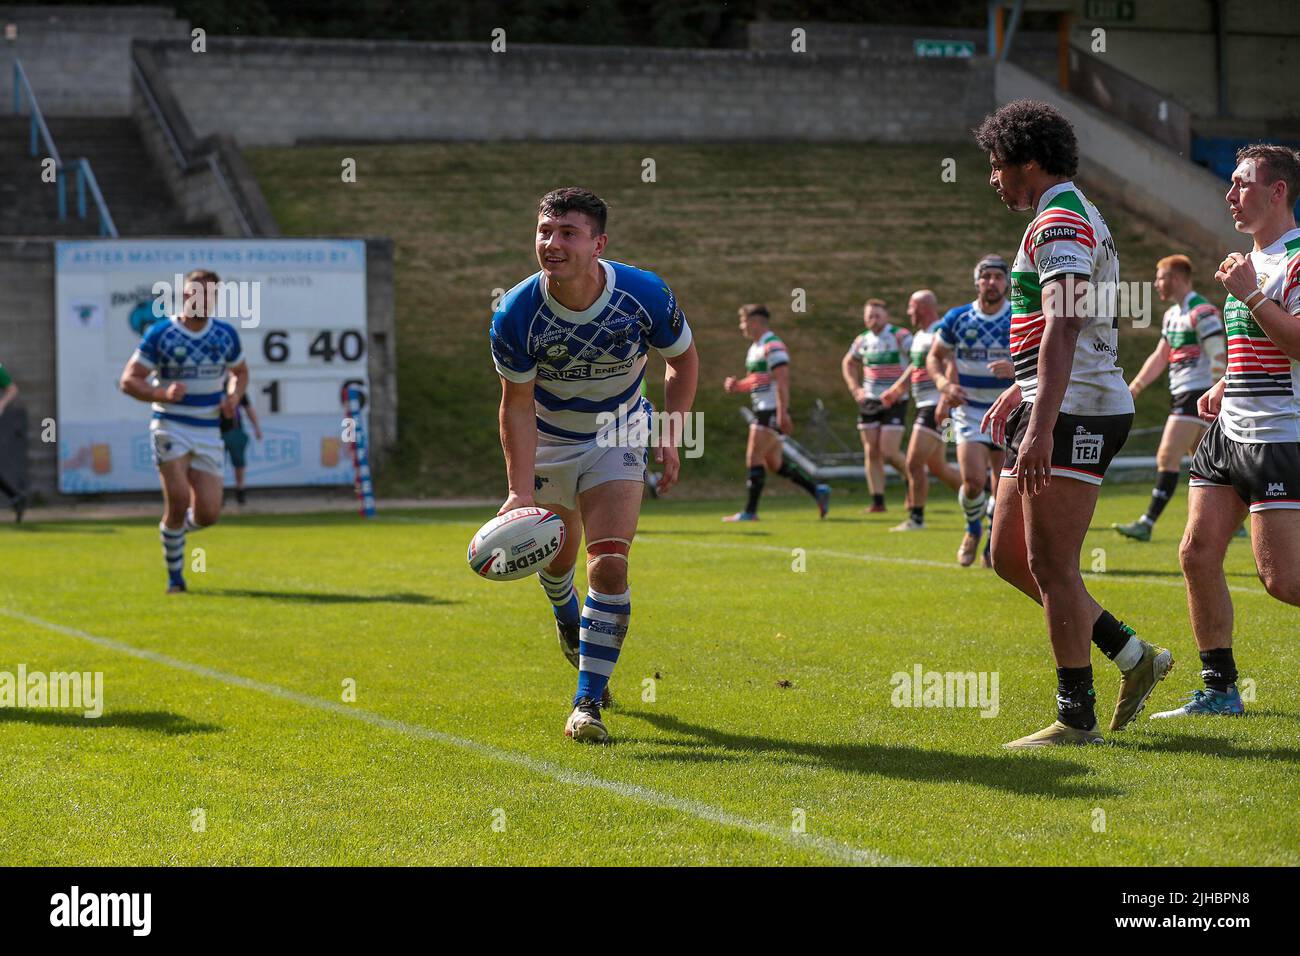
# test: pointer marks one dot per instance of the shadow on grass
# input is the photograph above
(1208, 746)
(1038, 775)
(157, 721)
(321, 597)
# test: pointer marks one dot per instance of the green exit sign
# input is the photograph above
(958, 48)
(1115, 10)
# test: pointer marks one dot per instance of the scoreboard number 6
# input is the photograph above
(350, 346)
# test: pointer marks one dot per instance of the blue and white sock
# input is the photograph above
(173, 542)
(604, 626)
(973, 509)
(562, 594)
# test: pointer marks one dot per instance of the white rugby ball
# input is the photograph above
(516, 544)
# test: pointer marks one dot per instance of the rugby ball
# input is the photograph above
(516, 544)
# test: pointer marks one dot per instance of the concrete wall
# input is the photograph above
(27, 349)
(1147, 178)
(278, 92)
(78, 58)
(1170, 45)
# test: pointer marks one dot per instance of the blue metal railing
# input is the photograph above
(40, 133)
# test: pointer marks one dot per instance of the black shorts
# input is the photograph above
(1183, 404)
(873, 412)
(1082, 445)
(767, 418)
(925, 419)
(1265, 475)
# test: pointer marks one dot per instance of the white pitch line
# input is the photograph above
(827, 847)
(918, 562)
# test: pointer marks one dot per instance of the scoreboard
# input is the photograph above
(299, 307)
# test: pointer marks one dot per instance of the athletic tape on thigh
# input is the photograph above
(608, 548)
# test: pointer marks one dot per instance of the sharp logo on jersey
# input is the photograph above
(557, 352)
(1057, 233)
(1275, 488)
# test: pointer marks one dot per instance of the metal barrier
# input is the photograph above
(40, 133)
(1131, 101)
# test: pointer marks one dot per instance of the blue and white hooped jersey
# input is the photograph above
(590, 362)
(198, 360)
(976, 339)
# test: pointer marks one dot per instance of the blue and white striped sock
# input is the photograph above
(604, 626)
(173, 542)
(562, 594)
(973, 509)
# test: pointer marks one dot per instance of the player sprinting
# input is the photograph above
(569, 344)
(767, 380)
(1066, 416)
(1193, 347)
(189, 357)
(1249, 459)
(970, 362)
(926, 451)
(877, 370)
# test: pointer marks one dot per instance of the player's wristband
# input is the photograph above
(1250, 299)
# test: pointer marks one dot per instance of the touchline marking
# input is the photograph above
(827, 847)
(920, 562)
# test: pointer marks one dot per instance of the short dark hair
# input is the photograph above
(753, 309)
(1280, 162)
(575, 199)
(1025, 131)
(201, 276)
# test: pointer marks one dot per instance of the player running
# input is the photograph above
(570, 344)
(877, 369)
(926, 454)
(1249, 460)
(767, 380)
(970, 362)
(1192, 346)
(189, 356)
(1065, 417)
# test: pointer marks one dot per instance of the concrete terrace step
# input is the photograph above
(134, 190)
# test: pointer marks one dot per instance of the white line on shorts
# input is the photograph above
(827, 847)
(918, 562)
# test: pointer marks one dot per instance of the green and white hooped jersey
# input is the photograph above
(763, 356)
(881, 355)
(1186, 326)
(1069, 237)
(924, 393)
(1260, 403)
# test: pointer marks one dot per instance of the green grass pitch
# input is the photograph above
(770, 738)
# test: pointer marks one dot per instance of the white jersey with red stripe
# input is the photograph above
(882, 355)
(766, 354)
(1186, 326)
(1260, 402)
(924, 392)
(1069, 237)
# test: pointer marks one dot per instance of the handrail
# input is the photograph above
(180, 153)
(38, 118)
(86, 175)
